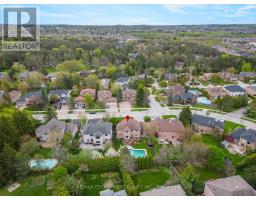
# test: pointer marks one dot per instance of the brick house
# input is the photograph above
(175, 90)
(205, 125)
(129, 95)
(129, 130)
(215, 92)
(105, 97)
(251, 90)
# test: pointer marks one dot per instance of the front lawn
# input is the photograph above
(230, 126)
(149, 179)
(32, 186)
(168, 116)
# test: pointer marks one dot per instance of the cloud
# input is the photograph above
(178, 9)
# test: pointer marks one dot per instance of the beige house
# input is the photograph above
(251, 90)
(129, 96)
(175, 90)
(129, 130)
(215, 92)
(229, 186)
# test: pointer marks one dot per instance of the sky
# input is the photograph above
(107, 14)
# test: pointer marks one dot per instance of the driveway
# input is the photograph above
(124, 106)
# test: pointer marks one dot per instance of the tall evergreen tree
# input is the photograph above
(186, 116)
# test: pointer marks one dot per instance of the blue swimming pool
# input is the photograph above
(204, 100)
(44, 164)
(138, 153)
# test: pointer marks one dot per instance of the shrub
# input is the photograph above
(105, 164)
(59, 172)
(147, 119)
(198, 187)
(130, 188)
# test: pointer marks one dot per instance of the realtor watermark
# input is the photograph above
(20, 29)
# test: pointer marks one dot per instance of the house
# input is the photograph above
(185, 98)
(62, 97)
(51, 77)
(251, 90)
(234, 90)
(174, 190)
(105, 83)
(30, 99)
(96, 133)
(80, 103)
(109, 192)
(229, 186)
(178, 66)
(52, 133)
(169, 131)
(105, 96)
(243, 75)
(170, 76)
(129, 95)
(129, 130)
(123, 82)
(14, 95)
(175, 90)
(89, 91)
(3, 75)
(204, 124)
(240, 140)
(215, 92)
(208, 76)
(227, 76)
(23, 76)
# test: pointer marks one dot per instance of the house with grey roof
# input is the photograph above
(184, 99)
(229, 186)
(95, 133)
(62, 96)
(241, 140)
(205, 125)
(123, 82)
(171, 76)
(234, 90)
(52, 133)
(109, 192)
(30, 99)
(174, 190)
(243, 75)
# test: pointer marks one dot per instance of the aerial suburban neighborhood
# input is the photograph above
(130, 110)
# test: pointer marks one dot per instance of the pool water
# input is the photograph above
(204, 100)
(138, 153)
(43, 163)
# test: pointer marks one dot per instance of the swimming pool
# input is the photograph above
(138, 153)
(204, 100)
(44, 164)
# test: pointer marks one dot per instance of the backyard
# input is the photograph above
(151, 151)
(149, 179)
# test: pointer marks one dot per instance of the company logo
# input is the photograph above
(20, 29)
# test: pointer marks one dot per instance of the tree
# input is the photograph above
(74, 186)
(119, 95)
(8, 133)
(246, 67)
(23, 123)
(188, 177)
(30, 147)
(250, 175)
(35, 80)
(60, 153)
(21, 165)
(90, 81)
(59, 173)
(7, 167)
(216, 79)
(50, 113)
(251, 110)
(111, 72)
(88, 100)
(141, 96)
(127, 162)
(186, 116)
(60, 190)
(216, 158)
(70, 66)
(162, 158)
(163, 84)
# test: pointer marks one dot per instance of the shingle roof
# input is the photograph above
(230, 186)
(30, 94)
(175, 190)
(185, 96)
(59, 92)
(122, 80)
(234, 88)
(207, 121)
(131, 123)
(237, 133)
(97, 129)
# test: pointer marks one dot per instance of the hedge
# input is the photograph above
(145, 163)
(130, 188)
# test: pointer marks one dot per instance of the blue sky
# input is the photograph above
(146, 14)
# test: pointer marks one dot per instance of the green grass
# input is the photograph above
(139, 109)
(34, 108)
(150, 179)
(45, 153)
(143, 145)
(210, 107)
(249, 119)
(32, 186)
(230, 126)
(211, 141)
(168, 116)
(206, 174)
(94, 182)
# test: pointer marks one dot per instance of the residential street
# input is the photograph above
(155, 111)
